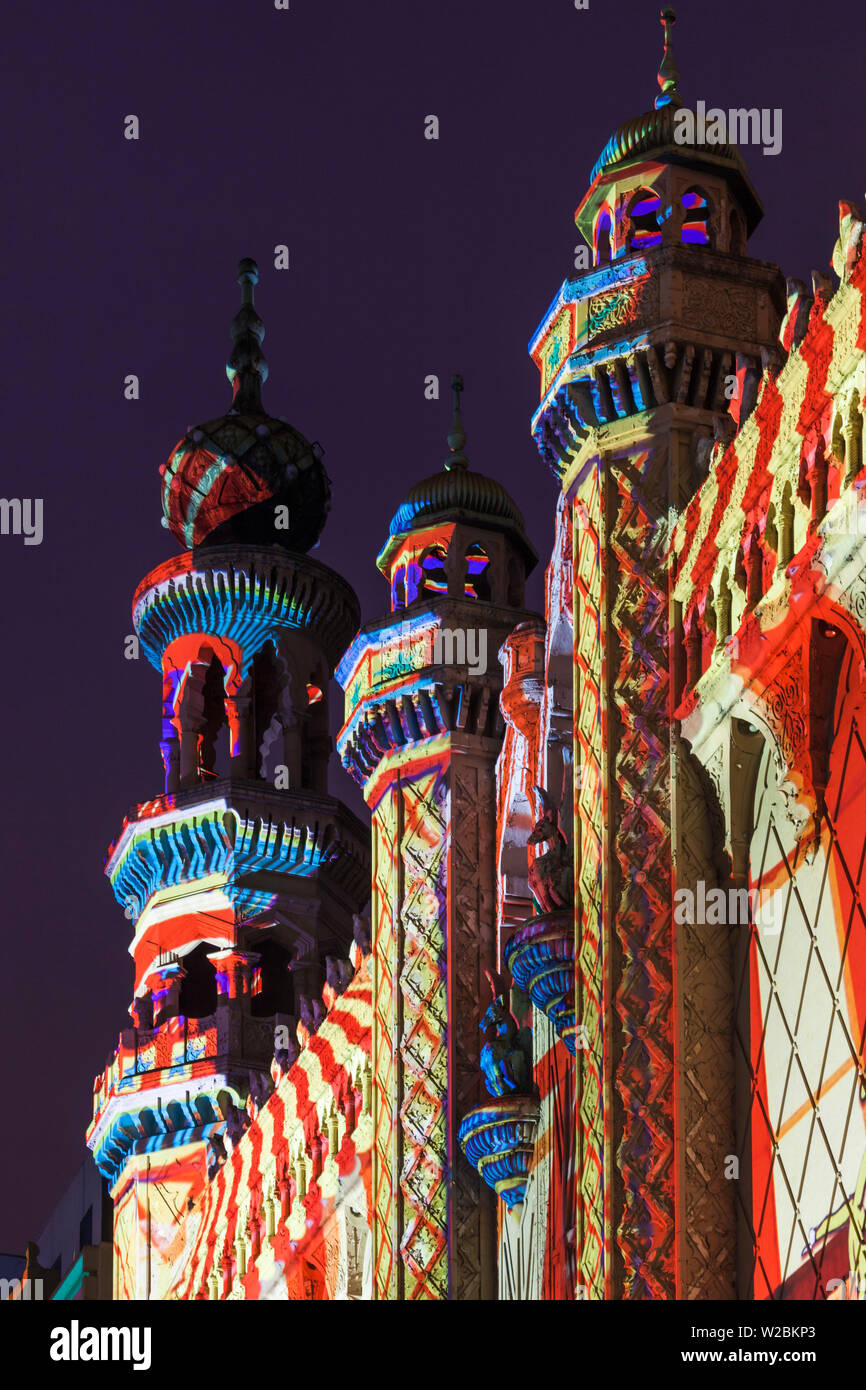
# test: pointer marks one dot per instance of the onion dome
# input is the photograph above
(246, 477)
(457, 494)
(656, 131)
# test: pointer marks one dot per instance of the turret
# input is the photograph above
(241, 875)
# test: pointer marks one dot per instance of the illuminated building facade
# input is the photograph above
(706, 420)
(584, 1016)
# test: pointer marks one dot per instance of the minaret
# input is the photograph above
(422, 733)
(649, 359)
(242, 875)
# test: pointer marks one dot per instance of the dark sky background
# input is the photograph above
(408, 257)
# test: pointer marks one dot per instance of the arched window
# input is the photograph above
(414, 581)
(215, 752)
(696, 218)
(265, 709)
(602, 237)
(643, 215)
(855, 439)
(433, 577)
(837, 441)
(398, 589)
(271, 987)
(198, 990)
(477, 581)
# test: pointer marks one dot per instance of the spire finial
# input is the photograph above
(456, 434)
(247, 369)
(668, 74)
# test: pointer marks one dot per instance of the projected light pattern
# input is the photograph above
(216, 840)
(695, 231)
(286, 1214)
(644, 214)
(773, 535)
(246, 599)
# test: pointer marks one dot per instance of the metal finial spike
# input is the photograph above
(247, 369)
(668, 74)
(456, 434)
(248, 278)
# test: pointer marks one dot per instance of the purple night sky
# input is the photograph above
(408, 257)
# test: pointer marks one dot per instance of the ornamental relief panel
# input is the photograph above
(629, 304)
(717, 306)
(556, 348)
(783, 705)
(853, 599)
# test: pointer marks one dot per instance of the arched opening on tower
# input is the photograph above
(603, 229)
(316, 744)
(398, 588)
(837, 440)
(696, 218)
(477, 581)
(433, 577)
(414, 582)
(266, 721)
(854, 454)
(643, 215)
(272, 991)
(198, 990)
(215, 747)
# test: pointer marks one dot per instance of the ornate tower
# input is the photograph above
(422, 733)
(648, 361)
(243, 876)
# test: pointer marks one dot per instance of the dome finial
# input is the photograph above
(247, 369)
(456, 434)
(668, 74)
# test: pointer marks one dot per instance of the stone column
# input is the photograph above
(192, 727)
(165, 991)
(239, 716)
(234, 970)
(169, 744)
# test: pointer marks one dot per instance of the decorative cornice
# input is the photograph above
(246, 595)
(234, 830)
(408, 680)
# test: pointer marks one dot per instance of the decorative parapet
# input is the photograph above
(429, 675)
(235, 829)
(247, 596)
(498, 1139)
(643, 331)
(541, 959)
(161, 1087)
